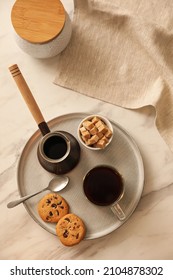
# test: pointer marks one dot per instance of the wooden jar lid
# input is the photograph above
(38, 21)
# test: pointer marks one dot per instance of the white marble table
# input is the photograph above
(148, 234)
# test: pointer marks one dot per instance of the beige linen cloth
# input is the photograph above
(121, 52)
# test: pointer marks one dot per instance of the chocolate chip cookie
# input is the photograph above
(52, 207)
(70, 229)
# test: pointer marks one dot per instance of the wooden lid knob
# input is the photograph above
(38, 21)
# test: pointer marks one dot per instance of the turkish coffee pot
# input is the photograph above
(58, 151)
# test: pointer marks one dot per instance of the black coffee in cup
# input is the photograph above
(103, 185)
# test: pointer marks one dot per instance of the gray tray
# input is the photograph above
(122, 153)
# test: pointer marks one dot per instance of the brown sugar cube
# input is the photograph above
(100, 135)
(104, 138)
(82, 129)
(99, 123)
(94, 130)
(103, 129)
(86, 134)
(88, 125)
(108, 134)
(95, 120)
(93, 140)
(100, 144)
(84, 139)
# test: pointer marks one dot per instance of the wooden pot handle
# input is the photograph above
(29, 99)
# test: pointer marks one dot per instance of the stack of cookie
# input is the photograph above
(70, 228)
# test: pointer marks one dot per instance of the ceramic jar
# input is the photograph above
(42, 28)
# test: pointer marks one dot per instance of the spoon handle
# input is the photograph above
(22, 199)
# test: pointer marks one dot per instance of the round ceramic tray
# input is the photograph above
(122, 153)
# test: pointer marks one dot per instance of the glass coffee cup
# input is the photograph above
(103, 185)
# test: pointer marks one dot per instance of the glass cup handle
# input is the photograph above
(117, 210)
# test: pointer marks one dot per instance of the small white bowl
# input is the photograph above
(89, 118)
